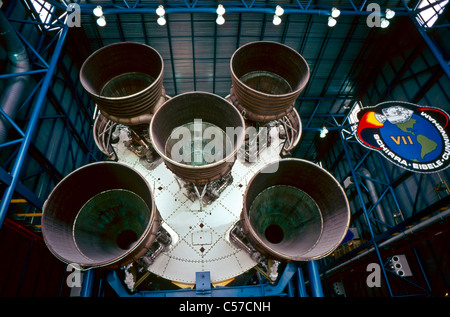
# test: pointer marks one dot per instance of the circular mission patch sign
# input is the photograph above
(411, 136)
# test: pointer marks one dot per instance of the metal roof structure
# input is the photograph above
(197, 50)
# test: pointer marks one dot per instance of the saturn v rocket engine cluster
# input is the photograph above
(195, 182)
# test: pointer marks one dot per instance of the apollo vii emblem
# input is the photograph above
(413, 137)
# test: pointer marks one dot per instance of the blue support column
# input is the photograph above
(87, 286)
(301, 283)
(314, 279)
(20, 159)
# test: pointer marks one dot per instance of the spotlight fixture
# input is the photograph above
(390, 13)
(384, 23)
(161, 20)
(98, 11)
(279, 11)
(331, 22)
(220, 19)
(335, 12)
(323, 132)
(101, 21)
(276, 20)
(160, 11)
(220, 10)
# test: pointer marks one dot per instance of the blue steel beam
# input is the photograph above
(87, 286)
(11, 122)
(21, 189)
(351, 10)
(314, 279)
(31, 72)
(108, 11)
(259, 290)
(6, 144)
(34, 51)
(290, 288)
(301, 289)
(20, 159)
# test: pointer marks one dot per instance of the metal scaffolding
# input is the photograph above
(28, 134)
